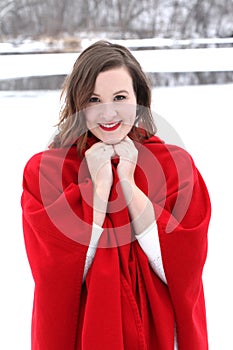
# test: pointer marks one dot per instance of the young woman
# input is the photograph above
(115, 220)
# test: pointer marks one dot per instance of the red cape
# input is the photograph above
(122, 304)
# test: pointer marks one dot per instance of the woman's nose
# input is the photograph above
(108, 112)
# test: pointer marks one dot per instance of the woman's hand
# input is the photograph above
(128, 155)
(139, 206)
(98, 159)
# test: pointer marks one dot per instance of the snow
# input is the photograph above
(175, 60)
(160, 42)
(27, 121)
(17, 66)
(195, 117)
(22, 47)
(186, 60)
(16, 46)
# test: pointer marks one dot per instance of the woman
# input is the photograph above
(115, 221)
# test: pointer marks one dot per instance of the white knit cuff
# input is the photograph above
(149, 242)
(95, 236)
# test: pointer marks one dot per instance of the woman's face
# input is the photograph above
(111, 111)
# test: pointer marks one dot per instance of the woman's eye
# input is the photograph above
(94, 99)
(119, 98)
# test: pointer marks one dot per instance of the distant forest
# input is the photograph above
(119, 18)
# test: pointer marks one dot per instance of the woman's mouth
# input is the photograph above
(110, 126)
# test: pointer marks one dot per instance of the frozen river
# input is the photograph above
(198, 118)
(175, 60)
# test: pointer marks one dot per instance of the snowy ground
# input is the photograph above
(196, 117)
(58, 45)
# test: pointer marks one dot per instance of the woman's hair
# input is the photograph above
(79, 86)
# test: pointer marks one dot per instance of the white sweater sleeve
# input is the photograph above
(95, 236)
(149, 242)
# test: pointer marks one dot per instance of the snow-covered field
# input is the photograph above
(14, 46)
(198, 117)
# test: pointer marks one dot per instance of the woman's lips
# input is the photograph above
(110, 126)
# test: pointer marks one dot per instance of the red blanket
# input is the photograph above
(122, 304)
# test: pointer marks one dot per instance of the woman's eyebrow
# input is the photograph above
(120, 92)
(115, 93)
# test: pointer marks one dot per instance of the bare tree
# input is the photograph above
(132, 18)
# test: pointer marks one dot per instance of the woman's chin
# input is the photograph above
(114, 141)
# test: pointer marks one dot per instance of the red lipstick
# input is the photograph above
(109, 126)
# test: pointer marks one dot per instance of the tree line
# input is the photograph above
(120, 18)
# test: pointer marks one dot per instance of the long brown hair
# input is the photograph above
(79, 86)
